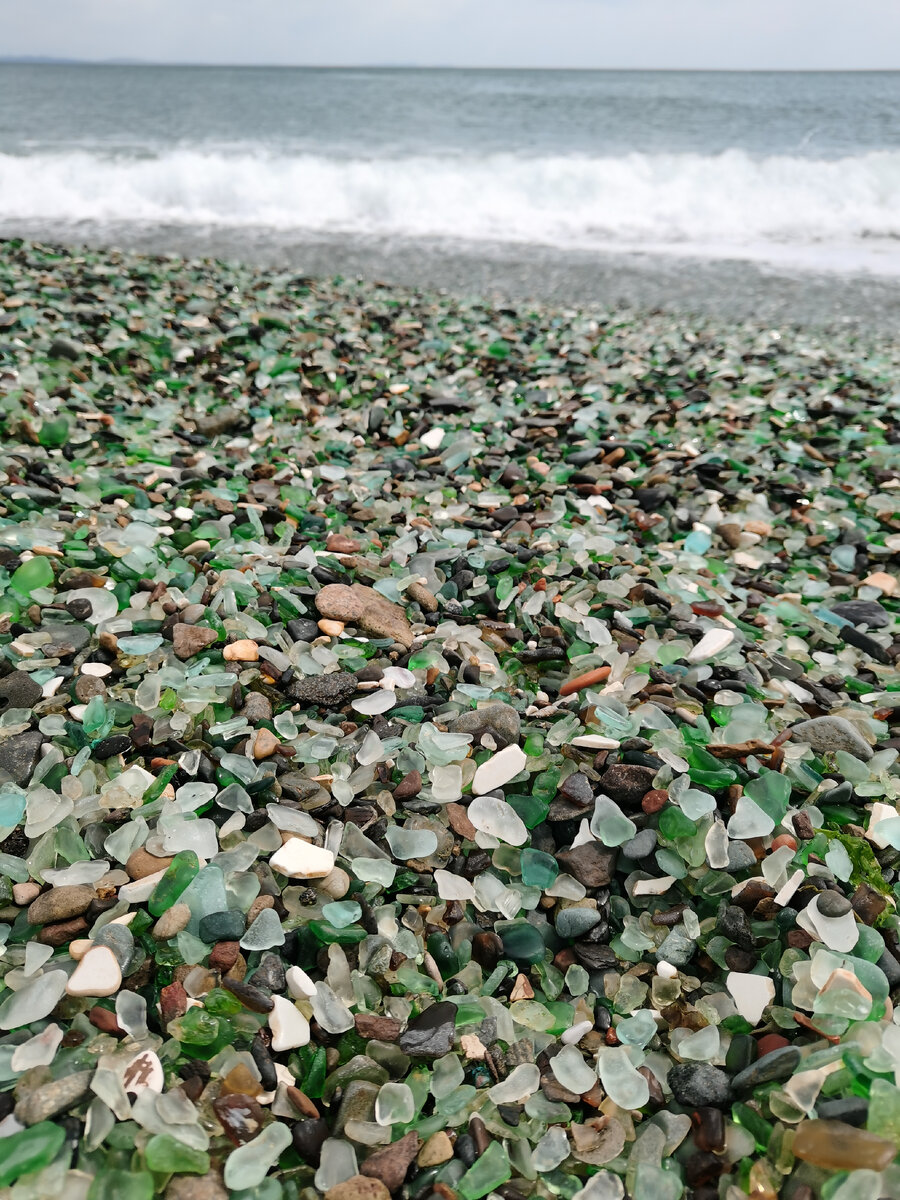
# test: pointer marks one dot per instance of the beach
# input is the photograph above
(448, 735)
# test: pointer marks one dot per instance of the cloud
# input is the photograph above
(723, 34)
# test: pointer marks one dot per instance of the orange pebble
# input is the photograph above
(784, 839)
(584, 681)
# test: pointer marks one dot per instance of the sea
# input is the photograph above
(797, 169)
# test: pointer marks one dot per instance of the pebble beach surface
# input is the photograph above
(445, 750)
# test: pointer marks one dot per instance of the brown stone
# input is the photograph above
(301, 1102)
(224, 955)
(368, 609)
(654, 800)
(338, 543)
(265, 744)
(459, 822)
(173, 1002)
(105, 1020)
(257, 906)
(425, 599)
(142, 863)
(384, 1029)
(391, 1163)
(87, 687)
(62, 933)
(591, 863)
(188, 640)
(358, 1187)
(410, 785)
(61, 904)
(627, 783)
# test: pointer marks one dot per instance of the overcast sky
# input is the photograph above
(735, 34)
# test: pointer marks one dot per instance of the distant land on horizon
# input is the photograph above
(44, 60)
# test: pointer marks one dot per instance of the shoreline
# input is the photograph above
(732, 290)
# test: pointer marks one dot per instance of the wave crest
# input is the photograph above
(635, 200)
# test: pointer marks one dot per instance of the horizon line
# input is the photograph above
(40, 60)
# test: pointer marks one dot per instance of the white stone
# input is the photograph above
(595, 741)
(712, 643)
(498, 770)
(299, 984)
(665, 970)
(144, 1071)
(289, 1026)
(751, 993)
(432, 438)
(653, 887)
(141, 889)
(302, 860)
(98, 974)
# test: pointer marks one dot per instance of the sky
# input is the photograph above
(675, 34)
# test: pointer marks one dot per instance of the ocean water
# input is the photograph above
(791, 168)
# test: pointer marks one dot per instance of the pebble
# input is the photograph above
(826, 734)
(290, 1028)
(60, 904)
(302, 860)
(97, 974)
(188, 640)
(243, 650)
(696, 1084)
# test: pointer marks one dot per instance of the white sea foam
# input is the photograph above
(729, 202)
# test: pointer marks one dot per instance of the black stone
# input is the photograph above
(430, 1035)
(698, 1085)
(734, 924)
(19, 756)
(328, 691)
(118, 743)
(862, 612)
(19, 690)
(270, 974)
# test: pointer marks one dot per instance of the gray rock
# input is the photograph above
(627, 783)
(573, 922)
(357, 1103)
(698, 1084)
(862, 612)
(500, 720)
(66, 640)
(63, 348)
(641, 844)
(431, 1034)
(53, 1098)
(740, 856)
(780, 1064)
(591, 863)
(677, 949)
(833, 904)
(19, 690)
(328, 691)
(257, 707)
(825, 734)
(19, 756)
